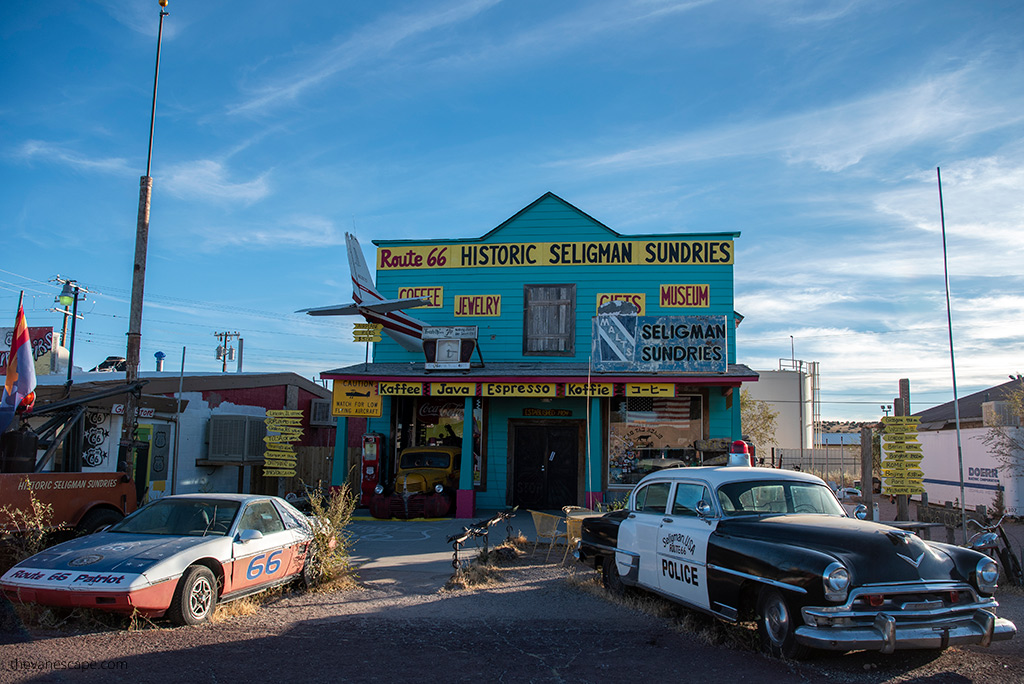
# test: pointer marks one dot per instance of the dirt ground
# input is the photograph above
(537, 622)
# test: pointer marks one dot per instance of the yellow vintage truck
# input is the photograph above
(425, 484)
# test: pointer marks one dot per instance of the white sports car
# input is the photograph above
(177, 557)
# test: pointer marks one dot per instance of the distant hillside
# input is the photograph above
(851, 426)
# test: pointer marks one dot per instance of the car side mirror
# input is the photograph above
(248, 536)
(860, 512)
(704, 509)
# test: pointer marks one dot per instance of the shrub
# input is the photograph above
(27, 531)
(332, 542)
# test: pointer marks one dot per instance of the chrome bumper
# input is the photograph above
(886, 635)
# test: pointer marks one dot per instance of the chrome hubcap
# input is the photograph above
(200, 598)
(776, 620)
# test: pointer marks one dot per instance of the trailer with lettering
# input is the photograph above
(31, 474)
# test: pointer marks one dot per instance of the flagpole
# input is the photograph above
(952, 363)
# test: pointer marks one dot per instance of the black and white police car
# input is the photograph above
(773, 545)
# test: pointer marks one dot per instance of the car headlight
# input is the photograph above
(439, 488)
(987, 572)
(379, 489)
(836, 579)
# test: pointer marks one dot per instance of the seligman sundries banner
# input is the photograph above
(649, 344)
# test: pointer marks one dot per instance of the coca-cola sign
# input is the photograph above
(431, 411)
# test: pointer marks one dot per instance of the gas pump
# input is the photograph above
(741, 455)
(370, 465)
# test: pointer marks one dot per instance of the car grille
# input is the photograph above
(908, 604)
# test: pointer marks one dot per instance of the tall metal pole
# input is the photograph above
(952, 363)
(131, 420)
(71, 349)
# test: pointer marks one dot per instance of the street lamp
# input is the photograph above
(139, 271)
(886, 408)
(69, 296)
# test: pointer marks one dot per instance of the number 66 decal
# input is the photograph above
(257, 567)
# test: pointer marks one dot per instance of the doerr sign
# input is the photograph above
(684, 344)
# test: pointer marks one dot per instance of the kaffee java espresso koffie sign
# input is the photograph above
(683, 344)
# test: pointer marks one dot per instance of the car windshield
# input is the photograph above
(424, 459)
(181, 517)
(762, 497)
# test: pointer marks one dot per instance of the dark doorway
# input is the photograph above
(546, 460)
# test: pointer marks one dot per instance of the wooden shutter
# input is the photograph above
(549, 320)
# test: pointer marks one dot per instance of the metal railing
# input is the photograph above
(479, 529)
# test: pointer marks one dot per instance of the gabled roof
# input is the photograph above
(549, 198)
(942, 415)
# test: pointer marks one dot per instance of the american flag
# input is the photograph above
(668, 412)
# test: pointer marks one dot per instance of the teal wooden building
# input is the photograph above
(510, 358)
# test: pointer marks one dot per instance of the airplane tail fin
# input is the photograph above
(361, 278)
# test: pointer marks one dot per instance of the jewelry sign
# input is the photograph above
(684, 344)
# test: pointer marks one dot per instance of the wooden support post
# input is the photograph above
(867, 471)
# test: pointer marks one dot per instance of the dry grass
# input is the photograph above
(343, 581)
(485, 569)
(242, 607)
(36, 617)
(709, 630)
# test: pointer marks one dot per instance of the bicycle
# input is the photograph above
(992, 541)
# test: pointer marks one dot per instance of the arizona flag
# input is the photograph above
(19, 387)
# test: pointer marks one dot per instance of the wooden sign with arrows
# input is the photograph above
(366, 332)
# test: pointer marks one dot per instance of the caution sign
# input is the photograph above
(356, 398)
(901, 457)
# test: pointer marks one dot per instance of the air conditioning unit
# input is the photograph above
(256, 430)
(997, 414)
(236, 438)
(320, 413)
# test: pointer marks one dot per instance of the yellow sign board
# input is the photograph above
(899, 472)
(356, 398)
(434, 293)
(520, 389)
(902, 490)
(901, 447)
(620, 253)
(594, 389)
(660, 389)
(399, 389)
(453, 389)
(477, 305)
(366, 332)
(280, 458)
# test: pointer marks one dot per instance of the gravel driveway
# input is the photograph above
(544, 622)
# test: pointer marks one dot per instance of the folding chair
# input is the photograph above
(546, 526)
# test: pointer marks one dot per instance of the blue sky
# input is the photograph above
(812, 127)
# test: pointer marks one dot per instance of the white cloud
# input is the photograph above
(958, 103)
(299, 231)
(377, 40)
(32, 150)
(208, 179)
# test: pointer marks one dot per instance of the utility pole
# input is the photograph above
(225, 352)
(131, 419)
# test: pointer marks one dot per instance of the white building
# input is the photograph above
(983, 474)
(792, 393)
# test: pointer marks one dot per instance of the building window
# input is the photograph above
(549, 320)
(647, 434)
